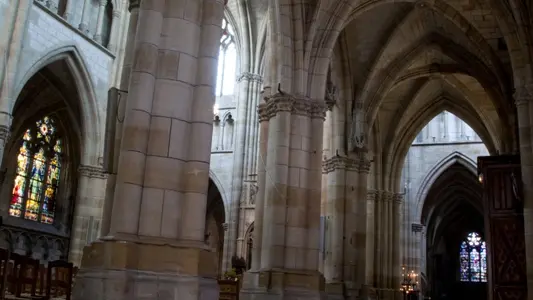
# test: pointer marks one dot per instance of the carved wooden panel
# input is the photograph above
(504, 227)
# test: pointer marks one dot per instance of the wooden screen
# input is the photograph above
(504, 226)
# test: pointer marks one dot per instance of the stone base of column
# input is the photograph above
(118, 270)
(282, 285)
(335, 290)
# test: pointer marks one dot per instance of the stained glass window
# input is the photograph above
(37, 174)
(473, 259)
(227, 61)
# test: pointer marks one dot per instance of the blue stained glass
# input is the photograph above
(473, 259)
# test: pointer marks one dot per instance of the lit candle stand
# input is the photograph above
(409, 284)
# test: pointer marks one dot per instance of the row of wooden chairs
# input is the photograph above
(26, 275)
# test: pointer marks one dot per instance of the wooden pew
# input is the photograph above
(62, 278)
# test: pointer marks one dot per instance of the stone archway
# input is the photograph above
(215, 223)
(452, 209)
(50, 116)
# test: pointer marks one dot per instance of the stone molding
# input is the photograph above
(359, 165)
(250, 77)
(295, 105)
(417, 227)
(386, 196)
(92, 172)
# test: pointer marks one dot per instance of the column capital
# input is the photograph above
(296, 105)
(92, 172)
(372, 195)
(360, 164)
(397, 198)
(251, 77)
(523, 95)
(116, 13)
(103, 2)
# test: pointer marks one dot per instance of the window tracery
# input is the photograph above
(227, 61)
(37, 173)
(473, 259)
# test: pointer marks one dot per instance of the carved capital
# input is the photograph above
(359, 164)
(397, 198)
(295, 105)
(417, 227)
(92, 172)
(116, 14)
(372, 195)
(523, 95)
(225, 226)
(251, 77)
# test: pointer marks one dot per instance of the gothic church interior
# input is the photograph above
(318, 149)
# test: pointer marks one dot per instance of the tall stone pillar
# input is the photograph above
(87, 210)
(396, 247)
(124, 86)
(12, 31)
(388, 251)
(345, 265)
(85, 17)
(244, 163)
(113, 37)
(524, 107)
(155, 246)
(291, 202)
(100, 21)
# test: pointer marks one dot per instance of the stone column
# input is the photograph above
(68, 10)
(100, 21)
(115, 25)
(291, 208)
(346, 263)
(257, 246)
(245, 156)
(124, 86)
(155, 245)
(524, 107)
(87, 210)
(11, 38)
(371, 256)
(396, 247)
(85, 17)
(417, 236)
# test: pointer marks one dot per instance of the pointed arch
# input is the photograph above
(91, 129)
(435, 172)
